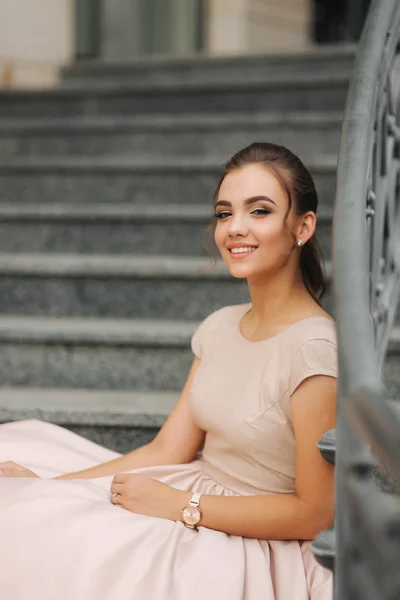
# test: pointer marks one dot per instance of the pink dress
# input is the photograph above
(64, 540)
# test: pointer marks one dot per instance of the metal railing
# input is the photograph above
(364, 549)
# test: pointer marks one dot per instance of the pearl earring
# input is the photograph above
(299, 243)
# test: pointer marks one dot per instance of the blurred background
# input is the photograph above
(116, 117)
(39, 36)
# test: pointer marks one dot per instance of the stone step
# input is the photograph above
(117, 286)
(115, 228)
(204, 69)
(128, 179)
(116, 408)
(113, 354)
(182, 134)
(295, 91)
(118, 419)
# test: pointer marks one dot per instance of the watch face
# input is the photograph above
(191, 515)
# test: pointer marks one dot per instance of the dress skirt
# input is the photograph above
(64, 540)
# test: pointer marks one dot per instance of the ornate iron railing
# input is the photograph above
(364, 549)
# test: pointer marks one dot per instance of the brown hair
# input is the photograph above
(300, 188)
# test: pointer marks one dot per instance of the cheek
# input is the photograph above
(218, 236)
(270, 232)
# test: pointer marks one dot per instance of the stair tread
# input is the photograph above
(77, 406)
(103, 211)
(117, 265)
(150, 163)
(317, 53)
(112, 330)
(111, 265)
(274, 80)
(95, 330)
(43, 125)
(121, 211)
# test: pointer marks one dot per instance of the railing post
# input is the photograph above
(364, 549)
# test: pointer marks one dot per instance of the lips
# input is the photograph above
(241, 251)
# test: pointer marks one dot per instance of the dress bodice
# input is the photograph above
(241, 396)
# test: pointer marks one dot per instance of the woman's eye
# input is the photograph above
(260, 211)
(222, 215)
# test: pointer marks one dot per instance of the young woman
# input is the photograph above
(259, 395)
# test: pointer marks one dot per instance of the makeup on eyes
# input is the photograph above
(224, 213)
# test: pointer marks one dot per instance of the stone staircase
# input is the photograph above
(105, 194)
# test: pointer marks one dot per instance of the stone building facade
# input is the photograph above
(36, 38)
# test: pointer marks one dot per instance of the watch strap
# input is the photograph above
(195, 499)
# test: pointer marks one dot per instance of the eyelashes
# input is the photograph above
(223, 214)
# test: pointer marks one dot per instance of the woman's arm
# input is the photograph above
(177, 442)
(145, 456)
(289, 516)
(301, 515)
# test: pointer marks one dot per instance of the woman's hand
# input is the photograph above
(12, 469)
(145, 496)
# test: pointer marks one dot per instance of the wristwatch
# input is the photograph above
(191, 514)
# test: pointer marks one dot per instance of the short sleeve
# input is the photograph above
(208, 332)
(196, 344)
(314, 357)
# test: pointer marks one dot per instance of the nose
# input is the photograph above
(237, 226)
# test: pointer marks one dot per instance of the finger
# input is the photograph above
(119, 478)
(9, 464)
(117, 487)
(10, 473)
(116, 500)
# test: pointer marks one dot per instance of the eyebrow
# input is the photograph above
(247, 202)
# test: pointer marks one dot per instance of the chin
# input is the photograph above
(240, 272)
(240, 275)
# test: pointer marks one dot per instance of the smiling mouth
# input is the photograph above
(242, 252)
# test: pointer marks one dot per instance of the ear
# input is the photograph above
(307, 225)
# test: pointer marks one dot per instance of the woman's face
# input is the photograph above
(250, 231)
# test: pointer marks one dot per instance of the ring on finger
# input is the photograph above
(114, 496)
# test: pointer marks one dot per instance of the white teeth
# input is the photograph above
(241, 250)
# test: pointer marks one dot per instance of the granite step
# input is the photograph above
(182, 134)
(121, 420)
(108, 354)
(145, 179)
(116, 408)
(115, 286)
(116, 228)
(294, 91)
(112, 354)
(118, 419)
(205, 69)
(118, 286)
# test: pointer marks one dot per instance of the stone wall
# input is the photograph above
(278, 26)
(247, 26)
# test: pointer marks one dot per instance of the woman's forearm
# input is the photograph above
(272, 517)
(145, 456)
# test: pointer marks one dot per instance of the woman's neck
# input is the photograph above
(279, 300)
